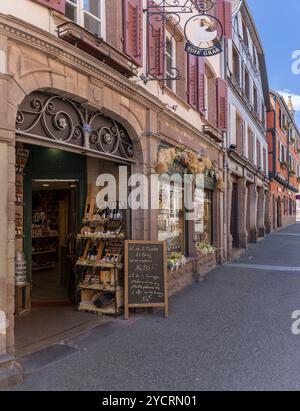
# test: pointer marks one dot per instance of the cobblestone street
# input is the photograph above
(232, 331)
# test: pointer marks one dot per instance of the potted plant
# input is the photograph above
(283, 164)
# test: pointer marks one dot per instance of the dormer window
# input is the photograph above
(88, 14)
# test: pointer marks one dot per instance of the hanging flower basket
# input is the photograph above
(189, 161)
(283, 165)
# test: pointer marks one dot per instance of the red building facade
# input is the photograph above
(284, 159)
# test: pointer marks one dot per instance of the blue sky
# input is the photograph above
(278, 23)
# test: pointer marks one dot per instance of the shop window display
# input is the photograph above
(171, 220)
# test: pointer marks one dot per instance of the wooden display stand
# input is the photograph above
(99, 267)
(22, 298)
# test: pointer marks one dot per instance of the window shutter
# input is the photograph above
(57, 5)
(222, 104)
(232, 125)
(224, 15)
(265, 160)
(156, 41)
(201, 84)
(133, 30)
(230, 56)
(192, 81)
(250, 146)
(246, 143)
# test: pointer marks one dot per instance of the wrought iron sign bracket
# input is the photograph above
(203, 34)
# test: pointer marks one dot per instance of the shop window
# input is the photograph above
(87, 13)
(171, 222)
(203, 224)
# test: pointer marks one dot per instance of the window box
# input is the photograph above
(97, 47)
(205, 263)
(283, 165)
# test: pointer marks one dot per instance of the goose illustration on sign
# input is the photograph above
(204, 34)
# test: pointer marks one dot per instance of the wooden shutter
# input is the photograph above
(156, 42)
(133, 30)
(57, 5)
(193, 81)
(222, 104)
(201, 84)
(223, 12)
(250, 145)
(233, 129)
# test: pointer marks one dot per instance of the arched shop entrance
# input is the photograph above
(61, 148)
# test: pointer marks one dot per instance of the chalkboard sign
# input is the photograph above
(145, 275)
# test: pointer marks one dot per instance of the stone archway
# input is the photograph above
(31, 70)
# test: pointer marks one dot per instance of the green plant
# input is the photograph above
(205, 248)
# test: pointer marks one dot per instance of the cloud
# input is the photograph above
(295, 98)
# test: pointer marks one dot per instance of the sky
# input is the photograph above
(278, 24)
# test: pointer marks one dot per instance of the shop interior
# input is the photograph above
(53, 252)
(69, 252)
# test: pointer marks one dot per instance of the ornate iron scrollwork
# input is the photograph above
(60, 119)
(170, 11)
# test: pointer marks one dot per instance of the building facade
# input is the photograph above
(86, 87)
(247, 166)
(284, 149)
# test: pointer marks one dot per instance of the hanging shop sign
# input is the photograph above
(146, 282)
(204, 34)
(236, 4)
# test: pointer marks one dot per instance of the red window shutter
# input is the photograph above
(57, 5)
(201, 84)
(223, 12)
(133, 30)
(193, 81)
(156, 44)
(222, 102)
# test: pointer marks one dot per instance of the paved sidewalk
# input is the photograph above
(232, 331)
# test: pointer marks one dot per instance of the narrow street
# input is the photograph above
(230, 332)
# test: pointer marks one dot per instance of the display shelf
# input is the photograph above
(46, 236)
(97, 287)
(105, 241)
(45, 267)
(100, 311)
(98, 265)
(102, 236)
(44, 252)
